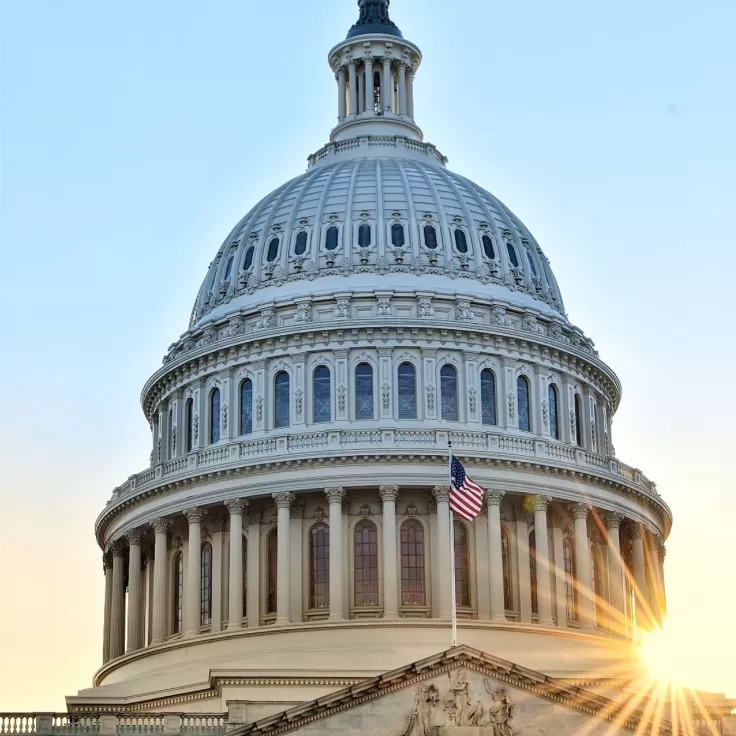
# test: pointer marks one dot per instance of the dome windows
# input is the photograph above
(512, 255)
(554, 423)
(322, 394)
(301, 243)
(281, 412)
(228, 268)
(407, 389)
(332, 238)
(448, 393)
(246, 406)
(397, 235)
(461, 242)
(364, 236)
(522, 400)
(215, 416)
(364, 391)
(430, 237)
(488, 248)
(248, 260)
(319, 566)
(531, 264)
(487, 396)
(273, 250)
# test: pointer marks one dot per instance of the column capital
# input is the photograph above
(441, 493)
(284, 499)
(134, 537)
(160, 525)
(661, 549)
(194, 515)
(236, 506)
(336, 494)
(106, 561)
(118, 547)
(637, 530)
(580, 510)
(540, 503)
(254, 516)
(494, 498)
(613, 519)
(388, 493)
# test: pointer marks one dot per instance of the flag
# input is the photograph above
(466, 497)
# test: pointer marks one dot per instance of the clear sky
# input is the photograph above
(136, 133)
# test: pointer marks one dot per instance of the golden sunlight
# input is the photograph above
(661, 653)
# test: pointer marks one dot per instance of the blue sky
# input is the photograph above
(135, 134)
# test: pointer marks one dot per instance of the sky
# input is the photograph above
(135, 134)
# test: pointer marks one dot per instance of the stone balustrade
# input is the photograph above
(112, 724)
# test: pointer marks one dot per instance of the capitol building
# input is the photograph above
(284, 566)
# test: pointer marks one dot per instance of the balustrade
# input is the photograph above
(73, 724)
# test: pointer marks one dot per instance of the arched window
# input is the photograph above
(554, 420)
(366, 564)
(448, 393)
(273, 250)
(508, 600)
(512, 255)
(332, 238)
(412, 564)
(215, 416)
(271, 570)
(189, 419)
(322, 403)
(364, 236)
(319, 566)
(228, 268)
(246, 406)
(397, 235)
(281, 414)
(462, 566)
(568, 558)
(578, 421)
(300, 246)
(248, 260)
(170, 431)
(245, 576)
(430, 237)
(488, 396)
(178, 593)
(598, 575)
(488, 247)
(533, 570)
(206, 582)
(407, 389)
(531, 264)
(364, 391)
(522, 400)
(461, 242)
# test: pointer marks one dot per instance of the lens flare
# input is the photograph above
(661, 654)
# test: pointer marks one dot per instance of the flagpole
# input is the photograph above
(452, 555)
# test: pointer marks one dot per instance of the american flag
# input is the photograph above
(466, 497)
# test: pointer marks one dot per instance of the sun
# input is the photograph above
(661, 653)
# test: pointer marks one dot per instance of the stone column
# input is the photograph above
(283, 573)
(586, 597)
(335, 496)
(410, 94)
(235, 585)
(361, 98)
(386, 90)
(558, 550)
(353, 89)
(107, 569)
(135, 590)
(193, 585)
(341, 94)
(525, 584)
(389, 494)
(495, 554)
(444, 552)
(402, 88)
(544, 590)
(640, 577)
(369, 93)
(160, 579)
(117, 612)
(661, 596)
(254, 569)
(617, 588)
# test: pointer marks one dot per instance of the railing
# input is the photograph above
(17, 723)
(140, 724)
(71, 724)
(384, 140)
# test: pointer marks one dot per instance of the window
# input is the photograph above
(215, 416)
(178, 593)
(246, 406)
(366, 564)
(430, 237)
(245, 576)
(461, 242)
(248, 260)
(206, 583)
(332, 238)
(281, 412)
(487, 396)
(554, 422)
(407, 391)
(448, 393)
(364, 236)
(322, 409)
(462, 566)
(273, 250)
(319, 566)
(228, 268)
(397, 235)
(512, 255)
(522, 397)
(300, 246)
(488, 247)
(533, 570)
(364, 391)
(596, 564)
(189, 419)
(578, 421)
(170, 431)
(271, 570)
(531, 264)
(412, 564)
(508, 599)
(568, 558)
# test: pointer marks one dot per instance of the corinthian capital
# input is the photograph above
(494, 498)
(388, 493)
(540, 503)
(335, 495)
(283, 500)
(580, 510)
(441, 493)
(134, 536)
(160, 525)
(194, 515)
(236, 506)
(613, 520)
(637, 530)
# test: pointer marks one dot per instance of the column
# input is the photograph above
(193, 584)
(525, 583)
(235, 585)
(369, 93)
(544, 595)
(160, 579)
(353, 89)
(295, 550)
(107, 570)
(217, 527)
(444, 553)
(661, 597)
(495, 554)
(640, 577)
(559, 572)
(283, 572)
(402, 88)
(341, 94)
(410, 93)
(586, 597)
(386, 91)
(135, 591)
(616, 591)
(389, 494)
(253, 601)
(335, 496)
(117, 609)
(361, 98)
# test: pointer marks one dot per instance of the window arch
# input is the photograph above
(281, 409)
(448, 393)
(407, 390)
(578, 420)
(488, 247)
(206, 584)
(512, 255)
(461, 242)
(319, 566)
(412, 564)
(522, 401)
(554, 419)
(246, 406)
(300, 246)
(533, 570)
(430, 237)
(178, 593)
(273, 250)
(248, 260)
(271, 570)
(228, 268)
(364, 391)
(531, 264)
(170, 431)
(364, 236)
(397, 235)
(508, 600)
(189, 420)
(568, 558)
(215, 416)
(462, 566)
(321, 395)
(366, 564)
(332, 238)
(488, 396)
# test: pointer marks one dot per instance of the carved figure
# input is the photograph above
(421, 719)
(500, 711)
(458, 707)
